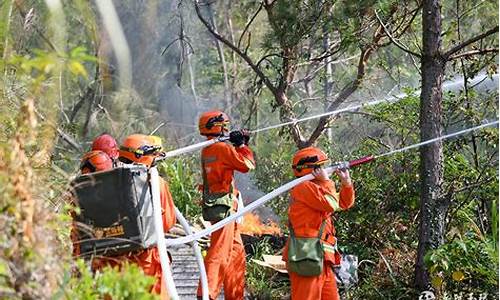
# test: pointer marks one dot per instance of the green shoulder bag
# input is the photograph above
(217, 206)
(306, 255)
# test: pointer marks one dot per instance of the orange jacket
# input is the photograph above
(220, 160)
(167, 206)
(312, 202)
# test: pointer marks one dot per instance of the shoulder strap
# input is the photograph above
(206, 190)
(323, 224)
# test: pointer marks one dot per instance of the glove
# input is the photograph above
(237, 138)
(246, 135)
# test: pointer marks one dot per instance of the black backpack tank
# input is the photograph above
(116, 211)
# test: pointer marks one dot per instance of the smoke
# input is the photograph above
(250, 192)
(166, 43)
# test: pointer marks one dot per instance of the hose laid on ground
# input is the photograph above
(160, 234)
(197, 253)
(343, 165)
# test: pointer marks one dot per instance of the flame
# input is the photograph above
(252, 225)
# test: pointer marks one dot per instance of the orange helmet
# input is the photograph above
(213, 123)
(140, 148)
(94, 161)
(305, 160)
(106, 143)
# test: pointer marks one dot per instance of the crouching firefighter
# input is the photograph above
(143, 149)
(102, 157)
(311, 250)
(107, 144)
(225, 259)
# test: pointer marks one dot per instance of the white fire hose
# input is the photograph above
(160, 235)
(259, 202)
(192, 148)
(240, 208)
(197, 253)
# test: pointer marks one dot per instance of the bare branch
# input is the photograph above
(328, 53)
(247, 26)
(244, 56)
(393, 40)
(66, 137)
(414, 14)
(466, 43)
(23, 14)
(168, 46)
(474, 52)
(348, 89)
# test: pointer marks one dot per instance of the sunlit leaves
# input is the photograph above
(110, 283)
(41, 64)
(458, 276)
(463, 263)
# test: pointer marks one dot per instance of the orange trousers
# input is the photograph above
(225, 264)
(319, 287)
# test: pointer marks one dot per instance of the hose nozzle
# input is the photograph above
(349, 164)
(360, 161)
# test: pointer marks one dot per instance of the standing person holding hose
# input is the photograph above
(311, 250)
(225, 260)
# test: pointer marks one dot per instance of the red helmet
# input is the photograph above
(94, 161)
(305, 160)
(141, 148)
(106, 143)
(213, 123)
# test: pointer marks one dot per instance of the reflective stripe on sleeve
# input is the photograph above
(249, 163)
(329, 248)
(333, 202)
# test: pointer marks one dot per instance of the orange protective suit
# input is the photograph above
(225, 259)
(149, 259)
(313, 202)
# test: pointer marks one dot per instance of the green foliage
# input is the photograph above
(468, 263)
(42, 63)
(110, 283)
(182, 177)
(293, 21)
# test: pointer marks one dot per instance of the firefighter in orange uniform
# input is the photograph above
(95, 161)
(103, 155)
(312, 205)
(100, 158)
(106, 143)
(225, 259)
(143, 149)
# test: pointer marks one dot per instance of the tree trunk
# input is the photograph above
(432, 205)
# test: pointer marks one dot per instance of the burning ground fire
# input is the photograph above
(252, 225)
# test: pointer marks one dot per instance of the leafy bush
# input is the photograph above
(263, 283)
(110, 283)
(181, 175)
(468, 263)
